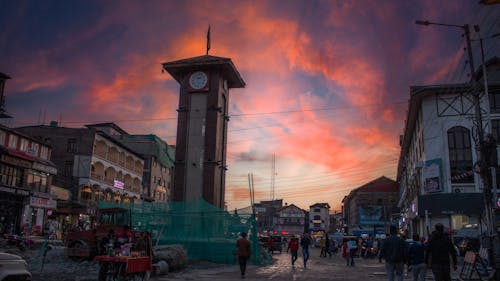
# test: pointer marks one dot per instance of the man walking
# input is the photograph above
(439, 249)
(394, 251)
(244, 252)
(416, 259)
(305, 242)
(293, 246)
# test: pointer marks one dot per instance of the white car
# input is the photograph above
(13, 267)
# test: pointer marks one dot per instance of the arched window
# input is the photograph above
(460, 151)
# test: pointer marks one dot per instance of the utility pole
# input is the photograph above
(492, 242)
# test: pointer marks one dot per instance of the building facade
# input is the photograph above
(319, 217)
(25, 179)
(291, 220)
(438, 164)
(371, 208)
(266, 214)
(158, 164)
(93, 166)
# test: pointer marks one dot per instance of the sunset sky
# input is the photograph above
(327, 81)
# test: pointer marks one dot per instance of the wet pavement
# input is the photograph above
(281, 269)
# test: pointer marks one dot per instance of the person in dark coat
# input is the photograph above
(438, 252)
(244, 252)
(395, 252)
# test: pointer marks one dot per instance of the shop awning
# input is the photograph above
(471, 204)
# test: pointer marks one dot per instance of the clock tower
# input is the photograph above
(200, 153)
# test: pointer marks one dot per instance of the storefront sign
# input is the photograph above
(432, 176)
(16, 161)
(44, 168)
(118, 184)
(43, 203)
(60, 193)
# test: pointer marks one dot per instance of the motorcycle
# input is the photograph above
(20, 242)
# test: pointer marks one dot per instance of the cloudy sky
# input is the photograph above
(327, 81)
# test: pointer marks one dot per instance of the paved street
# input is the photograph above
(317, 269)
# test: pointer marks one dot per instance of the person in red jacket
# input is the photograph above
(293, 246)
(270, 245)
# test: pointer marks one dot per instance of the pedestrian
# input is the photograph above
(394, 250)
(437, 254)
(348, 249)
(332, 247)
(293, 246)
(244, 252)
(305, 242)
(322, 245)
(270, 245)
(416, 262)
(327, 246)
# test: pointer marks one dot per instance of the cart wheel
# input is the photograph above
(78, 245)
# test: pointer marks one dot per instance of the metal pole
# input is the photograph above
(488, 208)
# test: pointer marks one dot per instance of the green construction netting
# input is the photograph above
(206, 232)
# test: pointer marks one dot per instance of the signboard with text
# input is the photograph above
(433, 176)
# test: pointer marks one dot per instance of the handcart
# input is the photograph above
(124, 268)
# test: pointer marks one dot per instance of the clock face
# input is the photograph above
(198, 80)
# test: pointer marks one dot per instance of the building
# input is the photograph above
(291, 220)
(319, 217)
(93, 165)
(201, 146)
(438, 160)
(158, 164)
(3, 113)
(266, 215)
(335, 222)
(371, 208)
(25, 179)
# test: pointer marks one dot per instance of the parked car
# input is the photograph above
(13, 267)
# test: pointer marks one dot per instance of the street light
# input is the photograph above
(488, 204)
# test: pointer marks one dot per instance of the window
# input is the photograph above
(317, 217)
(37, 181)
(495, 129)
(68, 168)
(24, 145)
(460, 152)
(494, 101)
(44, 153)
(11, 176)
(13, 141)
(34, 148)
(2, 137)
(317, 210)
(72, 147)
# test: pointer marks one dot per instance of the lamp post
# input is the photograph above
(488, 204)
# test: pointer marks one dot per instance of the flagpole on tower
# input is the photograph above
(208, 39)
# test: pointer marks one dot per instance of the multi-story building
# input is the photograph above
(25, 176)
(291, 220)
(266, 213)
(371, 208)
(437, 165)
(335, 222)
(93, 165)
(158, 163)
(319, 217)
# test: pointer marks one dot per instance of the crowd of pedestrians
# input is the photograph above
(437, 253)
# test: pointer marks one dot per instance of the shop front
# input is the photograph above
(453, 210)
(11, 207)
(38, 208)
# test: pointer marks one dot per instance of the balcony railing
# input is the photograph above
(96, 176)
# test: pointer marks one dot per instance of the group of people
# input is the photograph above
(244, 250)
(434, 254)
(416, 255)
